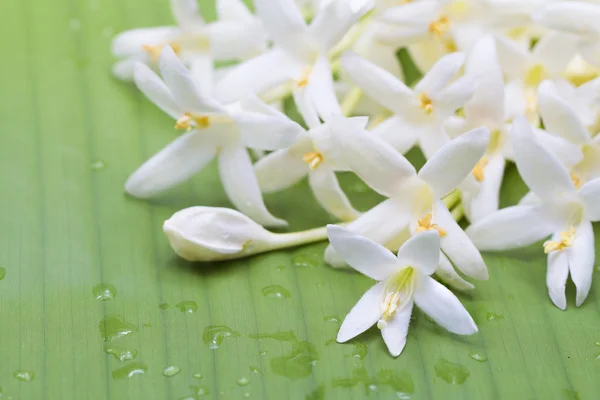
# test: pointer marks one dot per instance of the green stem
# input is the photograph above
(351, 101)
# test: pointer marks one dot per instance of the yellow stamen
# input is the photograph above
(440, 26)
(576, 178)
(424, 224)
(426, 103)
(185, 122)
(478, 171)
(156, 50)
(566, 240)
(450, 46)
(535, 75)
(304, 78)
(313, 159)
(398, 288)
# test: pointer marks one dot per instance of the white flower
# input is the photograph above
(299, 58)
(413, 199)
(563, 211)
(401, 282)
(214, 234)
(213, 130)
(237, 34)
(311, 155)
(418, 114)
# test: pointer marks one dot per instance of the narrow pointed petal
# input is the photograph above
(156, 90)
(233, 40)
(377, 83)
(382, 224)
(173, 165)
(443, 307)
(363, 315)
(449, 276)
(455, 95)
(202, 71)
(124, 69)
(453, 162)
(567, 152)
(306, 109)
(458, 246)
(573, 16)
(441, 74)
(131, 42)
(556, 276)
(512, 227)
(333, 21)
(541, 170)
(432, 139)
(187, 14)
(559, 117)
(241, 186)
(590, 196)
(486, 201)
(412, 14)
(581, 260)
(320, 90)
(398, 132)
(330, 195)
(395, 332)
(422, 252)
(515, 102)
(555, 50)
(281, 169)
(514, 58)
(590, 51)
(233, 10)
(362, 254)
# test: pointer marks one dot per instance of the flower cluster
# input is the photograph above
(503, 81)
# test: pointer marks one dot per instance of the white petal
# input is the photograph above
(233, 10)
(202, 71)
(382, 224)
(421, 252)
(256, 76)
(398, 132)
(123, 69)
(241, 186)
(363, 315)
(455, 126)
(453, 162)
(183, 87)
(332, 22)
(443, 307)
(556, 276)
(377, 83)
(454, 96)
(362, 254)
(554, 51)
(512, 227)
(432, 138)
(572, 16)
(590, 197)
(173, 165)
(441, 74)
(541, 170)
(590, 51)
(156, 90)
(487, 105)
(306, 109)
(395, 331)
(233, 40)
(487, 200)
(515, 102)
(320, 90)
(130, 42)
(282, 168)
(412, 14)
(567, 152)
(329, 194)
(559, 117)
(187, 14)
(458, 246)
(514, 58)
(581, 260)
(446, 273)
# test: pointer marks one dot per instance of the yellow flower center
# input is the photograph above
(302, 81)
(155, 50)
(424, 224)
(397, 292)
(478, 172)
(566, 240)
(313, 159)
(185, 122)
(426, 103)
(535, 75)
(450, 45)
(577, 180)
(440, 26)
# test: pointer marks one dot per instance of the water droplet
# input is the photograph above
(399, 381)
(493, 316)
(262, 353)
(187, 306)
(75, 24)
(248, 394)
(214, 334)
(359, 187)
(276, 292)
(280, 268)
(360, 350)
(597, 356)
(298, 363)
(129, 370)
(478, 356)
(511, 297)
(198, 375)
(319, 285)
(452, 373)
(255, 370)
(163, 306)
(2, 273)
(597, 343)
(373, 388)
(331, 318)
(305, 261)
(285, 336)
(24, 376)
(113, 327)
(403, 396)
(104, 291)
(98, 165)
(171, 370)
(243, 381)
(200, 390)
(121, 353)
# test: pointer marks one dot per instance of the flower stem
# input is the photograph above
(452, 199)
(284, 240)
(351, 101)
(458, 212)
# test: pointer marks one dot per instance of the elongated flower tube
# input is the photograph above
(216, 234)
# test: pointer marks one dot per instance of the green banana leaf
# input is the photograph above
(95, 305)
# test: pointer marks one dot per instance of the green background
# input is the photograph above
(70, 135)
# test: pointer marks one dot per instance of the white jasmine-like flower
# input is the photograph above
(236, 35)
(215, 234)
(299, 58)
(413, 199)
(419, 113)
(311, 155)
(563, 211)
(401, 282)
(213, 130)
